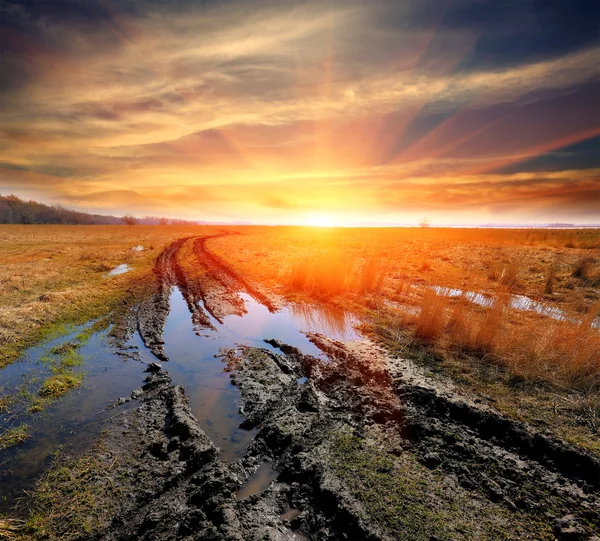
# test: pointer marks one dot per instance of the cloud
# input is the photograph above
(227, 105)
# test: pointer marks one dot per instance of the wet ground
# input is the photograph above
(112, 370)
(269, 421)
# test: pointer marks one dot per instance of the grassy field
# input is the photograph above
(533, 365)
(416, 287)
(56, 275)
(541, 366)
(431, 277)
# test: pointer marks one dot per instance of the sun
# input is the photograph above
(320, 220)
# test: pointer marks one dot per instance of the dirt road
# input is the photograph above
(354, 445)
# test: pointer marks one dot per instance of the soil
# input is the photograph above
(356, 445)
(217, 287)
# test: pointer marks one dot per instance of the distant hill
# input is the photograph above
(18, 211)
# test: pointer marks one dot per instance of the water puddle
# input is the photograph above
(258, 482)
(74, 421)
(516, 302)
(121, 269)
(195, 361)
(290, 515)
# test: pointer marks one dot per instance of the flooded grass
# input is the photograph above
(66, 503)
(14, 436)
(75, 376)
(59, 385)
(60, 390)
(52, 276)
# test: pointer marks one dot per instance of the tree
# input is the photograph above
(163, 221)
(129, 220)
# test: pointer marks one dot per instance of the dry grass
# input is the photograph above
(10, 529)
(430, 322)
(542, 349)
(56, 274)
(399, 265)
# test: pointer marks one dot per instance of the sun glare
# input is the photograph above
(320, 220)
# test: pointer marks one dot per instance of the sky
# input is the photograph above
(311, 112)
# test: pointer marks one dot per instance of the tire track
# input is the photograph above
(215, 292)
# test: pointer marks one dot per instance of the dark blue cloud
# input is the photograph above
(515, 32)
(583, 155)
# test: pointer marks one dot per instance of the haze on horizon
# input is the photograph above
(464, 111)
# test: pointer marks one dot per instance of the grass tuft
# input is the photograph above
(14, 436)
(60, 384)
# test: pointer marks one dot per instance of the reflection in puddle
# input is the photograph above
(328, 320)
(516, 302)
(258, 482)
(195, 363)
(121, 269)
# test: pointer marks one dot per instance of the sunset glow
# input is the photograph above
(324, 113)
(320, 220)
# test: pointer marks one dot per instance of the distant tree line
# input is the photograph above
(14, 210)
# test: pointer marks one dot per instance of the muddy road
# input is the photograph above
(347, 443)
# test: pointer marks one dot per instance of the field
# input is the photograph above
(537, 363)
(503, 323)
(53, 275)
(476, 291)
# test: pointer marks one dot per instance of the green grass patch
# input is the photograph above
(407, 501)
(69, 502)
(60, 384)
(391, 495)
(14, 436)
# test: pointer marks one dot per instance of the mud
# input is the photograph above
(285, 487)
(488, 476)
(211, 293)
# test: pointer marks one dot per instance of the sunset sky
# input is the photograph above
(343, 112)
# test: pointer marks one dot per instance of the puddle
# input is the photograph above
(75, 421)
(302, 380)
(195, 361)
(121, 269)
(290, 515)
(516, 302)
(258, 482)
(72, 422)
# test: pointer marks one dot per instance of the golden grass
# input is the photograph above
(56, 274)
(563, 352)
(359, 268)
(50, 271)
